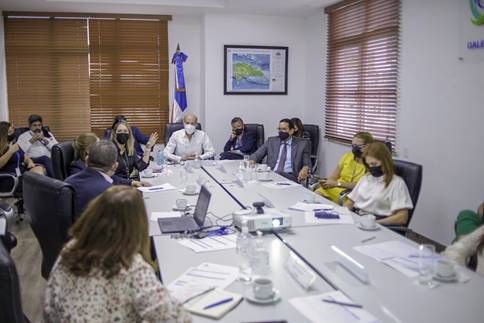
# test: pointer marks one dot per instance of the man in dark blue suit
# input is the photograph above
(96, 177)
(241, 142)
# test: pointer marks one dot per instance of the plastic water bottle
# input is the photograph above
(159, 157)
(244, 246)
(260, 257)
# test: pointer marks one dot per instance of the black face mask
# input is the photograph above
(122, 138)
(376, 171)
(355, 149)
(283, 135)
(11, 137)
(238, 131)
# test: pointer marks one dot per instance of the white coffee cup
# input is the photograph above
(367, 221)
(264, 175)
(444, 268)
(181, 204)
(310, 198)
(148, 172)
(263, 288)
(191, 188)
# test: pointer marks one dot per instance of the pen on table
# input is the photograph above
(368, 239)
(226, 300)
(342, 303)
(419, 256)
(199, 294)
(155, 188)
(283, 183)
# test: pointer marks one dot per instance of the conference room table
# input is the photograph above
(390, 295)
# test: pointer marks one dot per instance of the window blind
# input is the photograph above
(129, 73)
(47, 73)
(362, 69)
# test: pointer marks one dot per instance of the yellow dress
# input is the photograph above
(351, 171)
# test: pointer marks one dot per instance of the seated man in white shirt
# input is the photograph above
(37, 143)
(189, 143)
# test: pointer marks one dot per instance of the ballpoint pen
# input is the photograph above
(226, 300)
(368, 239)
(342, 303)
(198, 295)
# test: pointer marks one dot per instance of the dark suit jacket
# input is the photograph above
(78, 165)
(300, 153)
(249, 144)
(87, 184)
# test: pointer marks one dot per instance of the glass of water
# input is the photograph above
(426, 259)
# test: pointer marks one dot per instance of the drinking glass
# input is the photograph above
(426, 259)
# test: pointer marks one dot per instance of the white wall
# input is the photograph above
(3, 76)
(223, 30)
(440, 116)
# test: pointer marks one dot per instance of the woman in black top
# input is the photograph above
(122, 137)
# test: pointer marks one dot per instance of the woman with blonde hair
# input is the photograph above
(128, 160)
(349, 170)
(381, 192)
(105, 273)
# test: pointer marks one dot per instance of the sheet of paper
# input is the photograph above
(317, 311)
(212, 243)
(157, 188)
(343, 219)
(302, 206)
(160, 215)
(396, 254)
(198, 279)
(281, 185)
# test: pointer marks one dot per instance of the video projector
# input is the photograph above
(267, 219)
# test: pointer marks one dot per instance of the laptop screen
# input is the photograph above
(202, 206)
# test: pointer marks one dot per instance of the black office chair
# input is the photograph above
(62, 157)
(313, 131)
(412, 175)
(50, 203)
(10, 301)
(172, 127)
(258, 129)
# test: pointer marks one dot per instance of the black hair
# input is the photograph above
(118, 119)
(34, 118)
(289, 122)
(300, 129)
(237, 119)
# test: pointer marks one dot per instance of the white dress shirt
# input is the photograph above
(179, 145)
(38, 148)
(371, 195)
(288, 163)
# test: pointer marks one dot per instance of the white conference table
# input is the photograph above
(391, 296)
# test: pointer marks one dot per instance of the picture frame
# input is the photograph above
(255, 70)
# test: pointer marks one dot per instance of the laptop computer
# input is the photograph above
(188, 223)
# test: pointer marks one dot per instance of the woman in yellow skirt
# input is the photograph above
(349, 170)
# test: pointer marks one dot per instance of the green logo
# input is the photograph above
(477, 9)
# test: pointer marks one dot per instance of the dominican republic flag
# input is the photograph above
(180, 97)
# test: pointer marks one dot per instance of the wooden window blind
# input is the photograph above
(362, 69)
(129, 73)
(47, 73)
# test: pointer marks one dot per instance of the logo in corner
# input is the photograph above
(477, 9)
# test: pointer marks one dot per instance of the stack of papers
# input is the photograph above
(301, 206)
(157, 188)
(281, 184)
(212, 243)
(317, 311)
(397, 254)
(196, 280)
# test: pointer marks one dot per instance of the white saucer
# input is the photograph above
(186, 193)
(249, 296)
(175, 208)
(265, 179)
(375, 228)
(446, 279)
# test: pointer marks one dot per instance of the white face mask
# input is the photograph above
(189, 129)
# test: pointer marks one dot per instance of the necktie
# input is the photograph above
(282, 160)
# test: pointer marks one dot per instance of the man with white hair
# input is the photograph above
(189, 143)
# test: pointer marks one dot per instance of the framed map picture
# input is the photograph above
(255, 69)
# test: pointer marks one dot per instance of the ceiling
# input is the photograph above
(291, 8)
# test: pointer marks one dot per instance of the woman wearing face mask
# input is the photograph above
(122, 137)
(380, 191)
(12, 158)
(349, 170)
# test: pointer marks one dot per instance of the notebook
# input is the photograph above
(197, 305)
